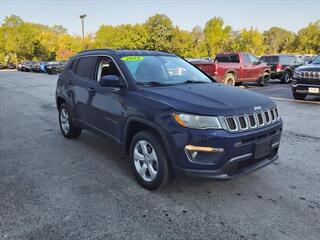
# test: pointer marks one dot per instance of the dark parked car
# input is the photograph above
(55, 67)
(172, 119)
(35, 66)
(11, 66)
(306, 80)
(26, 66)
(38, 67)
(7, 66)
(282, 66)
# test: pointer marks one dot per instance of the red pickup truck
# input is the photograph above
(233, 68)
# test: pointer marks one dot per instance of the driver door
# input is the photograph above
(106, 104)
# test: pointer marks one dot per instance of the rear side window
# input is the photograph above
(85, 67)
(227, 58)
(74, 65)
(287, 60)
(270, 59)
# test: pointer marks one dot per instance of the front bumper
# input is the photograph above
(238, 156)
(234, 168)
(303, 88)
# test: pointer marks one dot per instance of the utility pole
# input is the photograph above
(82, 16)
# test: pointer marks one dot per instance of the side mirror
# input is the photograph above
(110, 81)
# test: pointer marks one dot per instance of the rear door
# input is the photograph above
(79, 84)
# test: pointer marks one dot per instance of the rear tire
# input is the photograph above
(299, 96)
(67, 128)
(229, 79)
(149, 161)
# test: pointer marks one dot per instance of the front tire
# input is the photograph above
(67, 128)
(265, 80)
(299, 96)
(286, 77)
(148, 160)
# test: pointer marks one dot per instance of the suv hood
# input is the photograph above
(309, 67)
(209, 99)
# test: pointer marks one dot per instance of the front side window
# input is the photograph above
(107, 67)
(246, 59)
(253, 59)
(163, 70)
(316, 60)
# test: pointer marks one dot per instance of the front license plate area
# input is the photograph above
(262, 149)
(313, 90)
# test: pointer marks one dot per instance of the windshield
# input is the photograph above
(269, 59)
(163, 70)
(316, 60)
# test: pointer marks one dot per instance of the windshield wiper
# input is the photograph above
(153, 83)
(194, 81)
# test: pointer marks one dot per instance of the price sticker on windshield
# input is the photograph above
(132, 58)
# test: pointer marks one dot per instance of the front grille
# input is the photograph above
(252, 120)
(310, 75)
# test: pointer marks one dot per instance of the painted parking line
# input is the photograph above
(294, 100)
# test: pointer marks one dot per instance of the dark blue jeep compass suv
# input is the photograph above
(170, 117)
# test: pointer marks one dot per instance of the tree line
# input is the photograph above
(21, 40)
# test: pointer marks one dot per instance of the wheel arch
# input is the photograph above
(59, 101)
(136, 124)
(232, 71)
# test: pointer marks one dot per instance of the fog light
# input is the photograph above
(203, 149)
(203, 155)
(194, 154)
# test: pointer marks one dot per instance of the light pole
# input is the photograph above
(82, 16)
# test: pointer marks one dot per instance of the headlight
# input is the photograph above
(196, 121)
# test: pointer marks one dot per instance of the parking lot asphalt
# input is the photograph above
(54, 188)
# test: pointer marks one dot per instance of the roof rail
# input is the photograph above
(95, 49)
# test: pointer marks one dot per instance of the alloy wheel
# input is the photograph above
(145, 160)
(64, 121)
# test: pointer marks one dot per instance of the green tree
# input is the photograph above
(308, 39)
(249, 41)
(123, 36)
(160, 32)
(278, 40)
(198, 48)
(217, 36)
(181, 43)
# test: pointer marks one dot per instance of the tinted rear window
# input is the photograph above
(287, 60)
(270, 59)
(85, 66)
(227, 58)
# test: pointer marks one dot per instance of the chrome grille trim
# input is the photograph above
(252, 120)
(246, 125)
(231, 129)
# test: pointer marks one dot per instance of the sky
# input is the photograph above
(261, 14)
